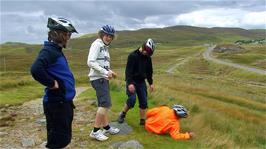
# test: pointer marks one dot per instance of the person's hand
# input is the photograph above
(111, 75)
(114, 74)
(191, 135)
(131, 88)
(56, 86)
(151, 88)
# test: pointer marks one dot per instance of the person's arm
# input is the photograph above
(175, 132)
(92, 57)
(38, 70)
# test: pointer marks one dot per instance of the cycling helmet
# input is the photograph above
(61, 24)
(108, 29)
(149, 46)
(180, 111)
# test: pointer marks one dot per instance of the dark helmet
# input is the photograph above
(108, 29)
(61, 24)
(180, 111)
(149, 47)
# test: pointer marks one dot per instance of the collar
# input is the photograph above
(52, 44)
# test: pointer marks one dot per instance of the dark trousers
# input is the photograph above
(141, 92)
(59, 117)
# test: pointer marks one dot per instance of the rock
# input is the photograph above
(13, 114)
(124, 127)
(41, 122)
(27, 142)
(3, 134)
(116, 145)
(43, 144)
(93, 102)
(131, 144)
(229, 48)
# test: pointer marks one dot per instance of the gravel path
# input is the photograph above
(207, 55)
(25, 127)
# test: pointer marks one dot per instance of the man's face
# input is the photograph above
(67, 36)
(143, 52)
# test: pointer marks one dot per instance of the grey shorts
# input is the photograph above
(101, 87)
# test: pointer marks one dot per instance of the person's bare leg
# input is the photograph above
(99, 120)
(105, 120)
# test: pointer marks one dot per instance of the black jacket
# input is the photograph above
(139, 68)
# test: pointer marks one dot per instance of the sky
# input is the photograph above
(26, 20)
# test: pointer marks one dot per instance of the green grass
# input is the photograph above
(217, 124)
(253, 55)
(20, 95)
(17, 88)
(227, 105)
(139, 133)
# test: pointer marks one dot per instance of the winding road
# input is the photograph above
(207, 55)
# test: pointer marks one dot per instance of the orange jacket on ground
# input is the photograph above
(163, 120)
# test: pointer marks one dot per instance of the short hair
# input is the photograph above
(102, 33)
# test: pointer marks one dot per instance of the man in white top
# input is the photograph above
(100, 74)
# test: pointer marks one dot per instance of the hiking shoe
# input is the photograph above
(111, 130)
(98, 135)
(142, 122)
(121, 117)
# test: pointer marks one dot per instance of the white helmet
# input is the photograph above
(61, 24)
(149, 46)
(180, 111)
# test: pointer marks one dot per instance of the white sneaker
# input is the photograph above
(112, 131)
(98, 135)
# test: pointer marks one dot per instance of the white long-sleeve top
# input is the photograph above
(98, 60)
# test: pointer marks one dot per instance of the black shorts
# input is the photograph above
(59, 117)
(141, 92)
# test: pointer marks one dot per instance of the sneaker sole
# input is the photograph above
(93, 137)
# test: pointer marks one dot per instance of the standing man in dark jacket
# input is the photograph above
(51, 70)
(139, 68)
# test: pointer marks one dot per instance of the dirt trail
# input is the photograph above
(207, 55)
(24, 125)
(181, 62)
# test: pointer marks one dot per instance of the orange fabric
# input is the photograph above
(163, 120)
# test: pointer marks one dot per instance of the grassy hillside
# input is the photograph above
(174, 36)
(227, 106)
(252, 55)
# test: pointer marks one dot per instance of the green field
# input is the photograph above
(252, 55)
(227, 105)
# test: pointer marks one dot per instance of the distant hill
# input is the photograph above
(169, 36)
(174, 36)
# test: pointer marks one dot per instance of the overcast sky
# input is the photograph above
(25, 21)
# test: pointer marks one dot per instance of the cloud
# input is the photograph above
(255, 19)
(223, 17)
(25, 21)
